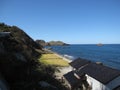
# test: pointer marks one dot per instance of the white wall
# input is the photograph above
(96, 85)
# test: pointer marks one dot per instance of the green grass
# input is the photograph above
(52, 59)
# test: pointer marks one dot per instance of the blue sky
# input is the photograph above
(71, 21)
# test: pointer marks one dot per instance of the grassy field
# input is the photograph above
(52, 59)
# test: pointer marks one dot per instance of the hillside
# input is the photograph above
(19, 64)
(19, 35)
(51, 43)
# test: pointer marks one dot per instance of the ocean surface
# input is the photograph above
(108, 54)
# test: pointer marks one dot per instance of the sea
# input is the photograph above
(108, 54)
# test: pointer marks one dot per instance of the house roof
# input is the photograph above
(79, 62)
(71, 78)
(101, 73)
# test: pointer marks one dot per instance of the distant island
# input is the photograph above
(51, 43)
(56, 43)
(99, 44)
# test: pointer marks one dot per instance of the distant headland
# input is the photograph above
(51, 43)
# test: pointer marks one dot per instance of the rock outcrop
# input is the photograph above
(41, 42)
(99, 44)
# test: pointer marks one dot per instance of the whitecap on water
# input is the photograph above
(68, 57)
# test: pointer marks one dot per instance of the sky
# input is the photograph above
(70, 21)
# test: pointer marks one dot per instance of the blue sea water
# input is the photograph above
(108, 54)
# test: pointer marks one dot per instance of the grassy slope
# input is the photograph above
(52, 59)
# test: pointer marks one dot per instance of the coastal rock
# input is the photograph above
(41, 42)
(99, 44)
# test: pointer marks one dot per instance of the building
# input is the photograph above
(101, 77)
(79, 63)
(73, 81)
(93, 76)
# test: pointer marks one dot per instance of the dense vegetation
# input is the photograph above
(19, 63)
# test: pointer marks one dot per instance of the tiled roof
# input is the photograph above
(70, 77)
(101, 73)
(79, 62)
